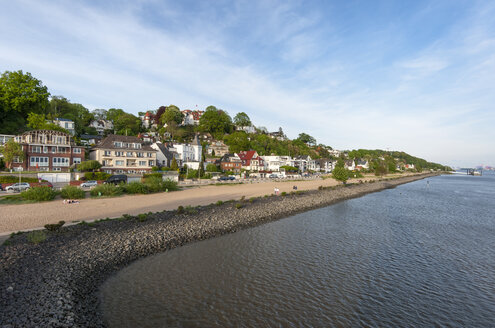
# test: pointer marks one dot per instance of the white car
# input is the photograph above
(18, 187)
(89, 184)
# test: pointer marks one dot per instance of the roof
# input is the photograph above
(108, 142)
(63, 119)
(246, 155)
(167, 153)
(91, 136)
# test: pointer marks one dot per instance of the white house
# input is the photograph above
(164, 155)
(189, 152)
(66, 124)
(191, 117)
(273, 163)
(101, 126)
(301, 162)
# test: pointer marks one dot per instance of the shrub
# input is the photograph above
(96, 176)
(72, 192)
(180, 209)
(320, 188)
(106, 190)
(238, 205)
(14, 179)
(54, 227)
(191, 209)
(284, 193)
(36, 237)
(252, 199)
(152, 175)
(155, 184)
(39, 194)
(89, 166)
(136, 188)
(219, 203)
(142, 217)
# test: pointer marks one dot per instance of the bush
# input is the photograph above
(238, 205)
(152, 175)
(96, 176)
(136, 188)
(106, 190)
(155, 184)
(36, 236)
(252, 199)
(89, 166)
(54, 227)
(180, 209)
(284, 193)
(39, 194)
(72, 192)
(14, 179)
(219, 203)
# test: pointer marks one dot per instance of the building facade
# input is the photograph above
(47, 150)
(66, 124)
(101, 126)
(124, 154)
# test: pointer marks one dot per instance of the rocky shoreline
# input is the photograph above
(56, 282)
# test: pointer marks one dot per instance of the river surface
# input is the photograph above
(419, 255)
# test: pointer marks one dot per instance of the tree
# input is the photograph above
(87, 166)
(38, 122)
(172, 114)
(237, 141)
(20, 94)
(61, 107)
(242, 119)
(11, 150)
(210, 167)
(174, 165)
(340, 174)
(306, 138)
(159, 113)
(215, 121)
(127, 124)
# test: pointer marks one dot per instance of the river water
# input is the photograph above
(419, 255)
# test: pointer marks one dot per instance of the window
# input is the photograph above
(142, 163)
(77, 150)
(57, 169)
(129, 154)
(36, 149)
(117, 144)
(76, 160)
(38, 161)
(150, 163)
(119, 163)
(119, 153)
(150, 154)
(107, 153)
(17, 159)
(60, 161)
(45, 149)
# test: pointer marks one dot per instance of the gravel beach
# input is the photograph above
(55, 283)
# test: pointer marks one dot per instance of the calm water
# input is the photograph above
(420, 255)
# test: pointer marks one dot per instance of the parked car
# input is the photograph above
(89, 184)
(273, 176)
(18, 187)
(226, 178)
(116, 179)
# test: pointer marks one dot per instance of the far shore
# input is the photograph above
(15, 218)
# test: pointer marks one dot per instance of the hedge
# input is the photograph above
(39, 194)
(72, 192)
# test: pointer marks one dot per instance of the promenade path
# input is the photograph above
(31, 216)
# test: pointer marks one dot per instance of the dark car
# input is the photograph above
(226, 178)
(116, 179)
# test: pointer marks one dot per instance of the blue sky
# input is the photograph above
(416, 76)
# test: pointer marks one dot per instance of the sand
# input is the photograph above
(31, 216)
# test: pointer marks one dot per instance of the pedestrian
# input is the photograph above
(294, 188)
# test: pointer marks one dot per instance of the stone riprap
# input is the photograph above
(55, 283)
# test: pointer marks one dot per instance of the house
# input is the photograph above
(147, 137)
(191, 117)
(231, 162)
(124, 154)
(101, 126)
(251, 160)
(409, 167)
(90, 139)
(279, 135)
(302, 162)
(247, 129)
(273, 163)
(164, 155)
(66, 124)
(349, 164)
(324, 165)
(189, 153)
(148, 120)
(362, 164)
(219, 148)
(47, 150)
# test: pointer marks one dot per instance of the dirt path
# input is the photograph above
(29, 216)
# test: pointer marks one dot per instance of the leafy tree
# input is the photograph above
(174, 165)
(210, 167)
(306, 138)
(20, 94)
(114, 113)
(172, 114)
(289, 168)
(215, 121)
(38, 122)
(159, 113)
(242, 119)
(237, 141)
(340, 173)
(10, 150)
(127, 124)
(201, 168)
(87, 166)
(61, 107)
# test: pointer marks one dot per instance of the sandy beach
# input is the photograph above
(30, 216)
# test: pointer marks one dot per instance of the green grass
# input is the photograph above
(14, 199)
(36, 236)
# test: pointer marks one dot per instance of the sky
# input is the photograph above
(414, 76)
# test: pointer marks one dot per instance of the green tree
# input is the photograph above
(20, 94)
(210, 167)
(88, 166)
(306, 138)
(340, 173)
(172, 114)
(38, 122)
(242, 119)
(11, 150)
(215, 121)
(127, 124)
(237, 141)
(174, 165)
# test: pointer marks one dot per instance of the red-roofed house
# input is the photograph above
(191, 117)
(251, 160)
